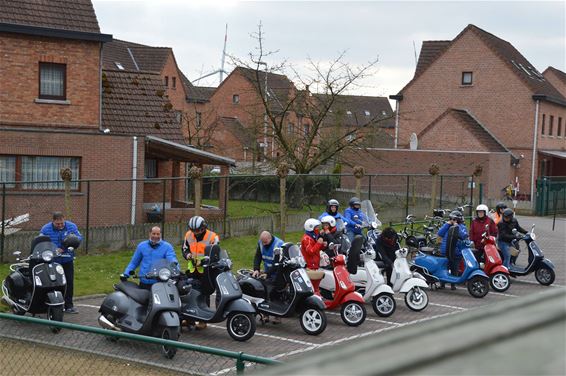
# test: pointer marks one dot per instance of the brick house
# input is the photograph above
(60, 108)
(478, 93)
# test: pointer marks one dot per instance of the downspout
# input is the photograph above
(134, 177)
(397, 98)
(533, 164)
(100, 89)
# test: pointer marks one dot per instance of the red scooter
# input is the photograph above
(493, 265)
(339, 290)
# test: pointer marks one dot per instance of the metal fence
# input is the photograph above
(29, 347)
(118, 213)
(551, 195)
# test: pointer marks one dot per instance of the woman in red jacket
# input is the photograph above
(311, 245)
(478, 227)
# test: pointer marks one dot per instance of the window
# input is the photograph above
(550, 125)
(52, 79)
(8, 170)
(290, 128)
(559, 130)
(543, 124)
(150, 168)
(166, 81)
(37, 169)
(306, 129)
(235, 99)
(367, 113)
(467, 78)
(174, 82)
(198, 119)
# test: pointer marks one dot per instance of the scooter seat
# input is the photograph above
(133, 291)
(429, 250)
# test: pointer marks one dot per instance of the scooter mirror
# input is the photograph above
(514, 231)
(17, 253)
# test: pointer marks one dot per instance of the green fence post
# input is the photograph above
(440, 197)
(240, 366)
(407, 199)
(3, 223)
(369, 188)
(480, 193)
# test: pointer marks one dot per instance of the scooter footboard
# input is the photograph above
(413, 282)
(55, 298)
(168, 318)
(239, 305)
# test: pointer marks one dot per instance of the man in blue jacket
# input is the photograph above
(58, 230)
(355, 217)
(147, 253)
(454, 219)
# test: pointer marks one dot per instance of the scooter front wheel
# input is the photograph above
(500, 282)
(478, 286)
(241, 326)
(313, 321)
(545, 275)
(172, 333)
(383, 304)
(416, 299)
(55, 313)
(353, 313)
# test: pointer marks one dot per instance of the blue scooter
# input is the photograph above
(435, 268)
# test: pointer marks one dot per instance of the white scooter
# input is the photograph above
(409, 283)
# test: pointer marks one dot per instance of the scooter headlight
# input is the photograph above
(533, 236)
(164, 274)
(47, 256)
(59, 269)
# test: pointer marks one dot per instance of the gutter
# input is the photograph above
(533, 162)
(134, 179)
(54, 33)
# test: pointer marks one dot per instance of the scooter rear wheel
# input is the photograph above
(383, 304)
(172, 333)
(545, 275)
(241, 326)
(55, 313)
(500, 282)
(313, 321)
(478, 286)
(353, 313)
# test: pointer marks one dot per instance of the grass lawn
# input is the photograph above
(241, 208)
(97, 273)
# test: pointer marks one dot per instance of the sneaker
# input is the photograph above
(441, 286)
(276, 320)
(71, 310)
(200, 325)
(453, 287)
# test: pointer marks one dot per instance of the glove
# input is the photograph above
(124, 277)
(255, 274)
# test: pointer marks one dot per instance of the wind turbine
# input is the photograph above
(221, 71)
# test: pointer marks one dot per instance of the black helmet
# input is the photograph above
(457, 216)
(354, 201)
(71, 240)
(197, 222)
(332, 202)
(500, 206)
(508, 213)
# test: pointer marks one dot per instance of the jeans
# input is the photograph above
(69, 269)
(455, 265)
(504, 248)
(350, 234)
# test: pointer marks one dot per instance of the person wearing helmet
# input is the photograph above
(311, 245)
(197, 238)
(354, 218)
(328, 233)
(385, 246)
(505, 234)
(57, 230)
(497, 215)
(332, 207)
(478, 227)
(454, 219)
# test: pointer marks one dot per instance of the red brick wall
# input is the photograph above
(551, 77)
(102, 157)
(176, 94)
(19, 80)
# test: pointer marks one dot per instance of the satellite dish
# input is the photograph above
(414, 143)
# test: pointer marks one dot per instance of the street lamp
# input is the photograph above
(265, 113)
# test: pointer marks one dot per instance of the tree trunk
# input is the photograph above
(283, 206)
(298, 192)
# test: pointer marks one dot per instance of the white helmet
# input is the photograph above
(311, 223)
(328, 219)
(482, 207)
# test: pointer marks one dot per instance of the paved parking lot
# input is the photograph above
(286, 340)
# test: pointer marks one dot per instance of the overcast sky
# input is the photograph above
(321, 29)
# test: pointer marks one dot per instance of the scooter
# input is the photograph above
(537, 263)
(435, 269)
(409, 283)
(36, 284)
(339, 291)
(369, 279)
(217, 277)
(492, 264)
(295, 296)
(152, 312)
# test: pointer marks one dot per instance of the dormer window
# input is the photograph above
(467, 78)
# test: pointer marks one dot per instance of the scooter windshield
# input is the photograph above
(367, 209)
(163, 269)
(44, 251)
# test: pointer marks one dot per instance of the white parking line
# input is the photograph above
(504, 294)
(87, 305)
(533, 283)
(270, 336)
(369, 319)
(439, 305)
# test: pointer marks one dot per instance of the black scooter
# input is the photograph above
(36, 284)
(152, 312)
(295, 296)
(542, 267)
(217, 277)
